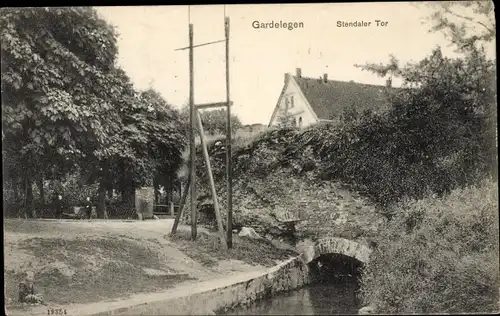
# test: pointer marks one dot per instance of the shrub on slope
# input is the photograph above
(438, 256)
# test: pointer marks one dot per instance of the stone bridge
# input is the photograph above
(335, 245)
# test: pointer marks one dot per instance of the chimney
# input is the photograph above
(388, 83)
(325, 78)
(287, 75)
(298, 72)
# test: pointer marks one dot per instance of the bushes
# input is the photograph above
(432, 139)
(386, 156)
(438, 255)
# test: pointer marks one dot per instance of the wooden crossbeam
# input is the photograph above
(204, 44)
(212, 105)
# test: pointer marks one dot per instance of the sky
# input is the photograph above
(259, 58)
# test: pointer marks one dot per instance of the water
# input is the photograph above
(335, 280)
(319, 299)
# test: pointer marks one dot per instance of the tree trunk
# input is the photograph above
(180, 192)
(23, 203)
(168, 189)
(42, 195)
(42, 190)
(128, 196)
(104, 187)
(169, 192)
(101, 206)
(157, 193)
(29, 201)
(15, 188)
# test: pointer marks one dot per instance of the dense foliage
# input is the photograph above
(55, 95)
(438, 256)
(67, 107)
(468, 25)
(440, 134)
(214, 121)
(153, 132)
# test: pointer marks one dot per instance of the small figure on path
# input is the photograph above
(88, 207)
(27, 292)
(58, 206)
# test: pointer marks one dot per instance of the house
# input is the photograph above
(304, 101)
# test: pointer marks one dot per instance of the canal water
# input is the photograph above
(333, 293)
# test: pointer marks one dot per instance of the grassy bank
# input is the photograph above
(86, 270)
(438, 255)
(208, 250)
(84, 262)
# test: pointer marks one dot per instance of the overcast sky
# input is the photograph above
(260, 57)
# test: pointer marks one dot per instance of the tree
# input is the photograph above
(446, 112)
(67, 108)
(467, 24)
(451, 103)
(214, 121)
(349, 113)
(154, 135)
(58, 90)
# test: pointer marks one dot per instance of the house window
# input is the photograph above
(300, 122)
(291, 102)
(286, 104)
(294, 122)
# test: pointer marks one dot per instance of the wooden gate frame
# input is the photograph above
(195, 117)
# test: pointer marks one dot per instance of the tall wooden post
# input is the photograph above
(211, 179)
(229, 165)
(191, 134)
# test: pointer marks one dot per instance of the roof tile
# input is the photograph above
(328, 99)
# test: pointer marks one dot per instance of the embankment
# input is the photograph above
(209, 297)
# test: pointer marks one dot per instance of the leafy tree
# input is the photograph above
(155, 137)
(58, 90)
(443, 123)
(449, 105)
(214, 121)
(467, 24)
(68, 109)
(444, 115)
(349, 113)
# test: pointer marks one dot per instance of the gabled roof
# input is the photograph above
(328, 99)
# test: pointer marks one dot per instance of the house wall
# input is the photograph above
(300, 108)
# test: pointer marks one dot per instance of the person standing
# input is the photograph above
(58, 206)
(88, 207)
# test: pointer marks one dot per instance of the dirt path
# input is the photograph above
(181, 290)
(82, 262)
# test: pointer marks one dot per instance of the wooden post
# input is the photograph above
(211, 179)
(192, 139)
(181, 205)
(229, 165)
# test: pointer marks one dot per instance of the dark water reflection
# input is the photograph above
(333, 293)
(320, 299)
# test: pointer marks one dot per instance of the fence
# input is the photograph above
(166, 210)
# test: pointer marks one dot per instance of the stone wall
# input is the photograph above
(144, 202)
(290, 275)
(353, 249)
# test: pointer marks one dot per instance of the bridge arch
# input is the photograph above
(336, 245)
